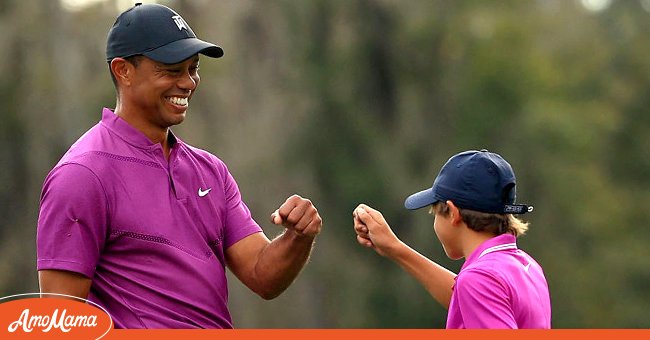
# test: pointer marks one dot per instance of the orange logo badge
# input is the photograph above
(28, 316)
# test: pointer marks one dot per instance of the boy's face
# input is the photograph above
(448, 235)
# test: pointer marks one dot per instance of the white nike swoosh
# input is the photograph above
(526, 267)
(203, 193)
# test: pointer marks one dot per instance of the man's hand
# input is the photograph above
(373, 230)
(298, 215)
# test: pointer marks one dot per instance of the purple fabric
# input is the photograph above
(500, 286)
(113, 209)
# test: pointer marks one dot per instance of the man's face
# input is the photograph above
(161, 92)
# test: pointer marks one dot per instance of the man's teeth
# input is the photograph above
(178, 100)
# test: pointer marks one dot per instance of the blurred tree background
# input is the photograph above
(350, 101)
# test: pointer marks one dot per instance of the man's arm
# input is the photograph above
(373, 232)
(71, 231)
(64, 282)
(269, 267)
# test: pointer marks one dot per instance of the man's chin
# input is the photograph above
(176, 118)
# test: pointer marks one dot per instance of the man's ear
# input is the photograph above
(454, 213)
(122, 71)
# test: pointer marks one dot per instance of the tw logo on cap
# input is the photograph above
(180, 23)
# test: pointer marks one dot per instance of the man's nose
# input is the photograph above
(187, 82)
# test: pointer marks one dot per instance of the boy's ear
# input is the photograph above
(454, 213)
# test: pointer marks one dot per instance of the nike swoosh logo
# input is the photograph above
(204, 192)
(526, 267)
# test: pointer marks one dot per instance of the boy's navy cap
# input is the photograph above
(157, 32)
(476, 180)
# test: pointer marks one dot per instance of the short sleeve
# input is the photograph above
(239, 222)
(72, 221)
(483, 301)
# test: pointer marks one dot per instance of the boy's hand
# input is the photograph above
(373, 231)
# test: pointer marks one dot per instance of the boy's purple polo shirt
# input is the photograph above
(500, 286)
(151, 234)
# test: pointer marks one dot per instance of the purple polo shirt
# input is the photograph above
(500, 286)
(150, 233)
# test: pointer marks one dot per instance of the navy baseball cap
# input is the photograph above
(476, 180)
(157, 32)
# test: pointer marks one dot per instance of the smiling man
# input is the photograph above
(144, 224)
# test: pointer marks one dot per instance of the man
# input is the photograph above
(143, 224)
(472, 199)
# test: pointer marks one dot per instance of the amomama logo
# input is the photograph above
(28, 316)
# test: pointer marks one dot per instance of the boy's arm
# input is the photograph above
(374, 232)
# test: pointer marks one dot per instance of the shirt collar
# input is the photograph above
(499, 243)
(130, 134)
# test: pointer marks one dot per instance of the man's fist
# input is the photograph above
(299, 215)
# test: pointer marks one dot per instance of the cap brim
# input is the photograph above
(179, 50)
(420, 199)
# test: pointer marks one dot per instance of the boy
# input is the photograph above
(472, 199)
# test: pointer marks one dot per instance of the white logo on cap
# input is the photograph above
(179, 22)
